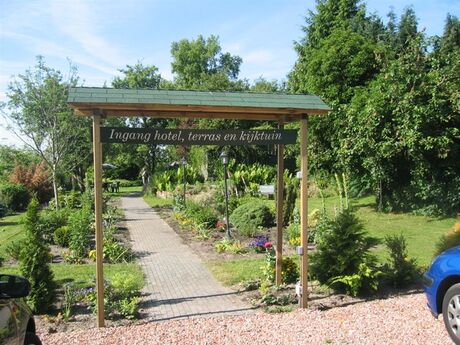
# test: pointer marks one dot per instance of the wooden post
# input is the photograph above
(97, 157)
(279, 211)
(304, 210)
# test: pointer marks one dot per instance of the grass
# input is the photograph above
(231, 272)
(421, 234)
(155, 201)
(10, 230)
(84, 275)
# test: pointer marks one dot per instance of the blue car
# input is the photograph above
(442, 288)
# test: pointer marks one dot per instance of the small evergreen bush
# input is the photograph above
(249, 217)
(402, 271)
(341, 249)
(62, 236)
(34, 263)
(14, 196)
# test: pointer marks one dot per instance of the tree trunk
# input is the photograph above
(55, 189)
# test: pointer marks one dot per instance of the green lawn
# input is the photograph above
(84, 275)
(155, 201)
(10, 230)
(231, 272)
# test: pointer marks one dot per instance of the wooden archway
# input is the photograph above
(100, 103)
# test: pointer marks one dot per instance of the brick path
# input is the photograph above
(177, 283)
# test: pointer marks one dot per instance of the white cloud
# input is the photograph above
(78, 21)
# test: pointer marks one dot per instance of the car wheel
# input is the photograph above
(32, 339)
(451, 312)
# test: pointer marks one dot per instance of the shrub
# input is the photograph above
(341, 247)
(364, 280)
(51, 220)
(62, 236)
(13, 250)
(229, 246)
(34, 263)
(290, 195)
(80, 225)
(450, 239)
(402, 271)
(14, 196)
(289, 269)
(121, 296)
(202, 215)
(249, 217)
(35, 178)
(115, 252)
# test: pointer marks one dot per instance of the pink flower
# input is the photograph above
(268, 245)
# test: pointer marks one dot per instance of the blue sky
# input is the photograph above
(101, 36)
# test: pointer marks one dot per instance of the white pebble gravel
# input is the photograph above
(403, 320)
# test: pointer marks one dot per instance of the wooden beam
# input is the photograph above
(107, 107)
(279, 211)
(97, 157)
(304, 210)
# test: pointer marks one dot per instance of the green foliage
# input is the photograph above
(51, 220)
(202, 215)
(402, 270)
(247, 178)
(366, 279)
(121, 296)
(14, 196)
(70, 297)
(249, 217)
(449, 239)
(38, 109)
(290, 196)
(289, 268)
(341, 247)
(115, 252)
(200, 64)
(395, 124)
(138, 76)
(229, 246)
(13, 250)
(80, 222)
(34, 263)
(62, 236)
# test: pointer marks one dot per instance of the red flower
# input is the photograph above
(268, 245)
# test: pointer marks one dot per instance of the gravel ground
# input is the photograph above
(400, 320)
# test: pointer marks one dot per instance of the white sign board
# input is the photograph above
(267, 189)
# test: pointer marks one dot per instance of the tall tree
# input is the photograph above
(37, 107)
(138, 76)
(201, 65)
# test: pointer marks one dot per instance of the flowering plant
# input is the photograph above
(268, 245)
(259, 242)
(220, 225)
